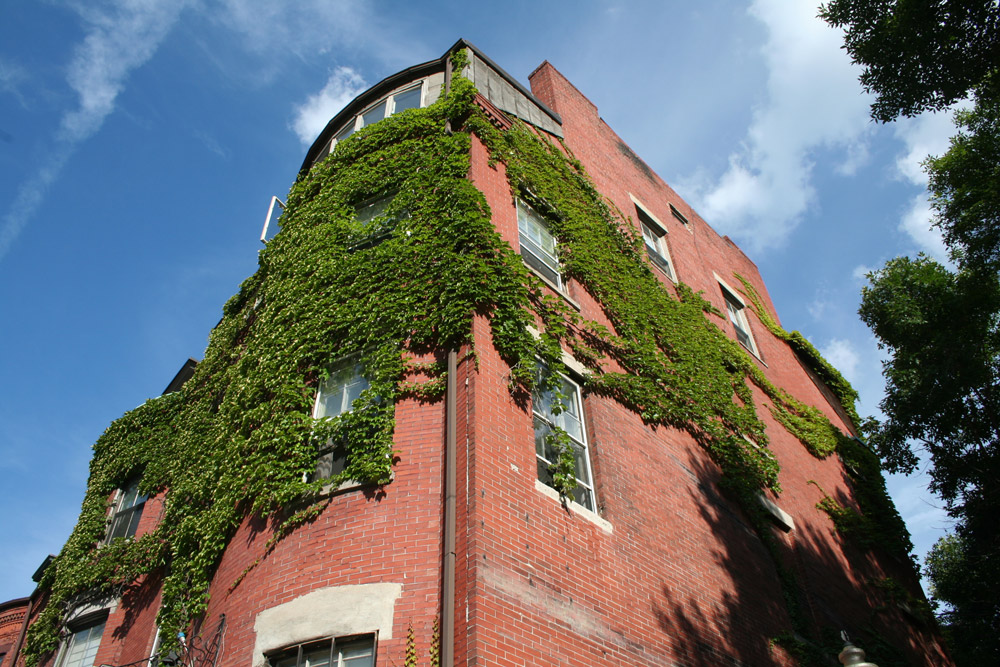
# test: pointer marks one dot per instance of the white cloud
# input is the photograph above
(841, 353)
(308, 28)
(923, 136)
(916, 223)
(12, 76)
(813, 101)
(120, 36)
(312, 115)
(860, 273)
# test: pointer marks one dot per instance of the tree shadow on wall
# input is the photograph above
(801, 589)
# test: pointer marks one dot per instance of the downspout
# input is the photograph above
(450, 493)
(450, 486)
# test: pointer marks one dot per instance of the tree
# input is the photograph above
(941, 326)
(918, 55)
(961, 582)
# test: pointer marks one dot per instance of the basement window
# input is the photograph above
(538, 245)
(128, 511)
(332, 652)
(562, 407)
(80, 647)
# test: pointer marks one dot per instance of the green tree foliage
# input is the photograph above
(918, 55)
(960, 579)
(940, 325)
(965, 187)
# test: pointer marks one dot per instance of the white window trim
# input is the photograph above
(85, 616)
(559, 285)
(726, 289)
(270, 213)
(116, 509)
(661, 247)
(347, 484)
(390, 101)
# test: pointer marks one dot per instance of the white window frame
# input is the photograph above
(335, 656)
(736, 314)
(586, 487)
(271, 218)
(357, 122)
(70, 656)
(549, 260)
(654, 236)
(132, 514)
(328, 453)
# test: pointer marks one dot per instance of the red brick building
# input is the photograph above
(469, 549)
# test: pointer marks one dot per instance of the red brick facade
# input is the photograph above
(667, 572)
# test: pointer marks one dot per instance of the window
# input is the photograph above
(656, 243)
(680, 216)
(337, 395)
(538, 245)
(409, 98)
(562, 408)
(128, 511)
(271, 224)
(375, 223)
(80, 648)
(737, 315)
(353, 652)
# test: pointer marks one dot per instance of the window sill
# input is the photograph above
(555, 288)
(348, 485)
(575, 507)
(753, 354)
(663, 271)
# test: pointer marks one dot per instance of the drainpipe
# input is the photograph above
(450, 493)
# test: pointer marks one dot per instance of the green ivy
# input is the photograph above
(239, 438)
(830, 376)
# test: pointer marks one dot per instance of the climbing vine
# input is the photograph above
(239, 438)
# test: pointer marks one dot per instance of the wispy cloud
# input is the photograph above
(841, 353)
(313, 26)
(923, 136)
(813, 101)
(120, 36)
(312, 115)
(12, 76)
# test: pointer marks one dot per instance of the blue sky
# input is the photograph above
(141, 140)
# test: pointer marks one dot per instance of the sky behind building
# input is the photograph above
(141, 141)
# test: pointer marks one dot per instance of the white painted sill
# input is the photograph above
(575, 507)
(553, 286)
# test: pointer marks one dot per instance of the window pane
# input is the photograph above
(371, 210)
(339, 391)
(83, 647)
(346, 132)
(316, 657)
(408, 99)
(357, 653)
(373, 115)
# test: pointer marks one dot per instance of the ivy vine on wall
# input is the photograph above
(239, 438)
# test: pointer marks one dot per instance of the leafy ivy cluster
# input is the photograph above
(239, 439)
